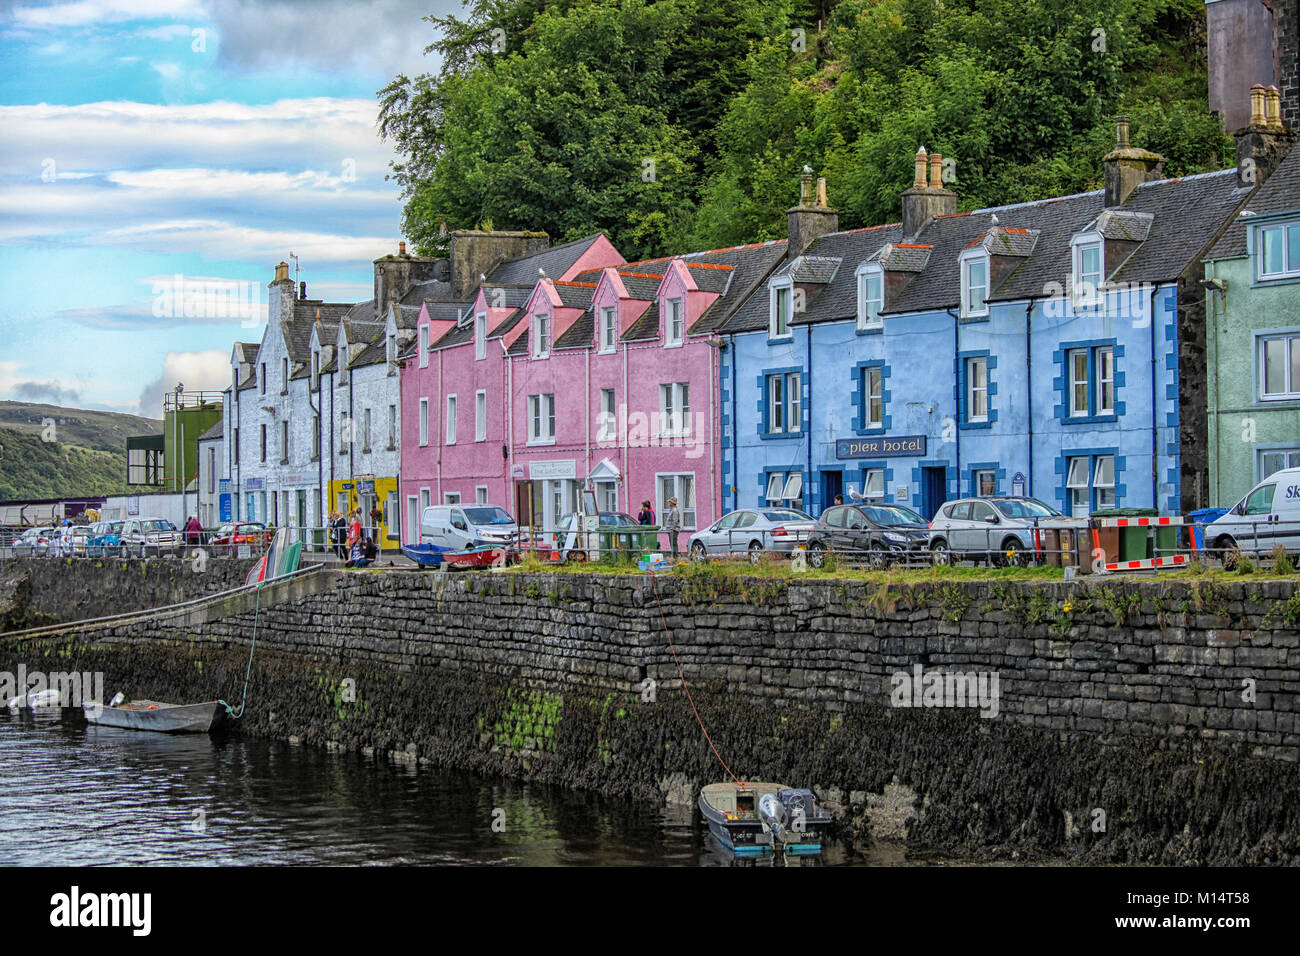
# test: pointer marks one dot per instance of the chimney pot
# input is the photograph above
(1273, 108)
(822, 199)
(401, 248)
(282, 272)
(1258, 111)
(806, 188)
(1121, 131)
(302, 290)
(936, 170)
(918, 181)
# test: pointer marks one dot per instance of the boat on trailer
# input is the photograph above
(156, 716)
(757, 819)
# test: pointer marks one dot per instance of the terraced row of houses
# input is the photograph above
(1133, 346)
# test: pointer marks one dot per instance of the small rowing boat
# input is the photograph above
(755, 819)
(156, 716)
(483, 556)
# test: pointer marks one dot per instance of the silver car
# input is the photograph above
(33, 541)
(144, 537)
(999, 530)
(752, 531)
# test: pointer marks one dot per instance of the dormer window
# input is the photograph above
(782, 308)
(608, 328)
(480, 336)
(871, 297)
(1278, 251)
(423, 347)
(541, 335)
(1087, 271)
(974, 284)
(673, 333)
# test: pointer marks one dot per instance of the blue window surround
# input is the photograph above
(782, 282)
(860, 400)
(951, 485)
(1252, 247)
(1061, 384)
(999, 477)
(1092, 454)
(961, 391)
(764, 477)
(764, 403)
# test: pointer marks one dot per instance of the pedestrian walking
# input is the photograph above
(672, 523)
(647, 514)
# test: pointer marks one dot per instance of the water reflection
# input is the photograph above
(82, 795)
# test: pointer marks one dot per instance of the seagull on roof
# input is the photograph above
(993, 220)
(541, 272)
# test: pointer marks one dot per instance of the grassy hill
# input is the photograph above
(88, 428)
(87, 457)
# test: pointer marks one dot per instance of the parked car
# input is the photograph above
(145, 537)
(565, 537)
(999, 530)
(75, 540)
(878, 535)
(464, 526)
(33, 542)
(227, 539)
(1269, 515)
(752, 531)
(105, 537)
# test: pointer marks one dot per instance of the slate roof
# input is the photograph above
(297, 329)
(434, 289)
(556, 261)
(901, 257)
(214, 432)
(1279, 194)
(1183, 215)
(819, 270)
(1122, 224)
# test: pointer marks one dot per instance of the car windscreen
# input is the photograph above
(786, 515)
(488, 516)
(156, 526)
(115, 527)
(881, 514)
(1026, 508)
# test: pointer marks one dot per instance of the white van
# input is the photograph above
(464, 526)
(1265, 518)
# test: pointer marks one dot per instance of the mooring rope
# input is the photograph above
(669, 634)
(257, 605)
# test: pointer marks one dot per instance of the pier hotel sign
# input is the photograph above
(881, 446)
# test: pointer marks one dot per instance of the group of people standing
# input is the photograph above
(672, 525)
(348, 540)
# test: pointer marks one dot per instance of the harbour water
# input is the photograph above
(77, 795)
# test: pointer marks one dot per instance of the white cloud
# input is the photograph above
(220, 240)
(93, 12)
(204, 371)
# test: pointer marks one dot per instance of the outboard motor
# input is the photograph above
(799, 805)
(772, 812)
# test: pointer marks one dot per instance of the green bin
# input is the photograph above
(1134, 543)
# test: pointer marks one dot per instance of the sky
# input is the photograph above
(153, 146)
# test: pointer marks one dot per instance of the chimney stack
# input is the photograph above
(1128, 166)
(280, 301)
(810, 219)
(401, 248)
(1263, 144)
(927, 199)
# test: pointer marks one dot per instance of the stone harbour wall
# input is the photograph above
(1145, 721)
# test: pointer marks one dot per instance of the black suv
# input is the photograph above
(876, 534)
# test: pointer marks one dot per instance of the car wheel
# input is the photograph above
(817, 555)
(755, 552)
(1014, 555)
(697, 551)
(121, 551)
(939, 553)
(876, 559)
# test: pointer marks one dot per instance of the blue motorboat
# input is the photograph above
(425, 555)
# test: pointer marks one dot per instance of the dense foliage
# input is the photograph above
(32, 468)
(678, 124)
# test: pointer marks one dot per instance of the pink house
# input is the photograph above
(455, 379)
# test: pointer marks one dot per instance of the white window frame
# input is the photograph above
(1100, 355)
(480, 415)
(873, 484)
(480, 336)
(976, 389)
(674, 322)
(1284, 230)
(426, 501)
(1290, 459)
(784, 410)
(541, 342)
(607, 420)
(1077, 483)
(1291, 390)
(976, 256)
(1073, 383)
(451, 497)
(868, 373)
(869, 306)
(480, 494)
(776, 291)
(689, 514)
(1104, 490)
(422, 347)
(451, 421)
(675, 410)
(976, 477)
(537, 404)
(608, 330)
(413, 526)
(1086, 286)
(424, 422)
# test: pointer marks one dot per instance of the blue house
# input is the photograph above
(1031, 349)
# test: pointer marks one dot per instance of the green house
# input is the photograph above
(1252, 287)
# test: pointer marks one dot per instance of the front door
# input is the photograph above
(934, 490)
(832, 487)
